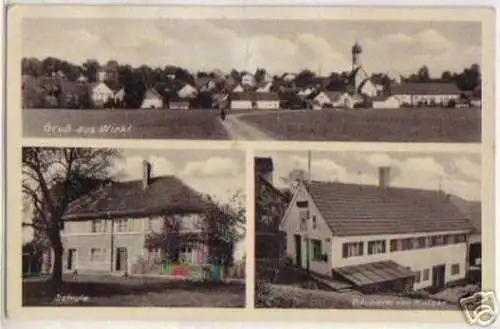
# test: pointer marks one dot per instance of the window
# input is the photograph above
(395, 245)
(407, 244)
(420, 242)
(455, 269)
(186, 255)
(460, 238)
(153, 223)
(417, 277)
(425, 275)
(316, 250)
(314, 224)
(437, 240)
(97, 255)
(376, 247)
(449, 239)
(351, 249)
(97, 226)
(304, 215)
(122, 225)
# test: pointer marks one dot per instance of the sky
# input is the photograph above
(278, 45)
(218, 173)
(457, 174)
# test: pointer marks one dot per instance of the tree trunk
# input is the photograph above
(56, 278)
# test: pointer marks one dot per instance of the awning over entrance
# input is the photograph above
(372, 273)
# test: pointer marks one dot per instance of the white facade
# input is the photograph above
(92, 241)
(317, 229)
(345, 100)
(101, 93)
(291, 224)
(241, 104)
(265, 89)
(416, 259)
(238, 89)
(152, 103)
(414, 99)
(187, 91)
(391, 102)
(268, 104)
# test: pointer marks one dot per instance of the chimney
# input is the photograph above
(384, 177)
(265, 168)
(146, 174)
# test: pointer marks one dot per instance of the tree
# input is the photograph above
(90, 69)
(221, 226)
(423, 74)
(52, 179)
(304, 78)
(295, 177)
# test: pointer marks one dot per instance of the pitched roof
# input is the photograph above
(470, 208)
(166, 194)
(425, 88)
(351, 209)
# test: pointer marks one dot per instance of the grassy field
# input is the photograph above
(392, 125)
(192, 124)
(117, 291)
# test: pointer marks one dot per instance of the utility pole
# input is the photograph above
(112, 242)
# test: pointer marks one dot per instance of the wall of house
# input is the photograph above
(237, 104)
(266, 105)
(390, 103)
(152, 103)
(416, 259)
(78, 235)
(414, 99)
(291, 225)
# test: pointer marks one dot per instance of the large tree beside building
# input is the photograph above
(52, 179)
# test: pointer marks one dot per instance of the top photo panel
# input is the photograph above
(250, 79)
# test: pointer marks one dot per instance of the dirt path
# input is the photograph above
(238, 130)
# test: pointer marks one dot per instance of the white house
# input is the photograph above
(248, 80)
(100, 94)
(238, 89)
(377, 238)
(346, 100)
(187, 91)
(112, 235)
(265, 87)
(426, 94)
(119, 95)
(386, 102)
(152, 100)
(242, 101)
(267, 100)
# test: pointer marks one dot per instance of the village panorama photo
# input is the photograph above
(133, 227)
(367, 230)
(252, 79)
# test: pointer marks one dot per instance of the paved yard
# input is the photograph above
(117, 291)
(391, 125)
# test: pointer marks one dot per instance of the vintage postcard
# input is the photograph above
(251, 163)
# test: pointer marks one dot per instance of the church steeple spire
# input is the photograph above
(356, 53)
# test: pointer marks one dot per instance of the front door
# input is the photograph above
(71, 261)
(121, 259)
(298, 250)
(438, 275)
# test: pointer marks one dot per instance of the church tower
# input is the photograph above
(356, 54)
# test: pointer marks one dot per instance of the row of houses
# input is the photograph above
(376, 238)
(271, 93)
